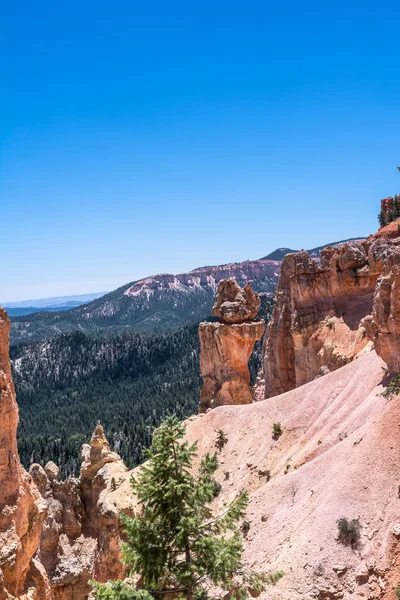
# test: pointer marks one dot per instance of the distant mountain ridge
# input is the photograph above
(280, 253)
(58, 303)
(155, 304)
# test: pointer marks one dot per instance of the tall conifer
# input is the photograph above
(177, 545)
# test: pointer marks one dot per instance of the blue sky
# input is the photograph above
(150, 137)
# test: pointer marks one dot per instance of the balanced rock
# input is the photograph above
(234, 304)
(225, 348)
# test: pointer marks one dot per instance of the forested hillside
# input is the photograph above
(154, 305)
(129, 381)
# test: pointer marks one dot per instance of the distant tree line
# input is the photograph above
(131, 382)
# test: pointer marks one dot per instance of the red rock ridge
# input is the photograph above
(209, 276)
(316, 325)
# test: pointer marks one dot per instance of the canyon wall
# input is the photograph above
(383, 325)
(56, 535)
(317, 323)
(22, 509)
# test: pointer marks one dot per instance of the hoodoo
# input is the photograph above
(226, 346)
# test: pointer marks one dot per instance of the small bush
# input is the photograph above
(277, 431)
(273, 578)
(393, 389)
(221, 440)
(113, 484)
(349, 532)
(397, 592)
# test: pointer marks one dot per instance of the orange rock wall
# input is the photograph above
(316, 322)
(224, 356)
(22, 509)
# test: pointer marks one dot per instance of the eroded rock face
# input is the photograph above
(383, 326)
(316, 325)
(225, 348)
(22, 509)
(81, 534)
(234, 304)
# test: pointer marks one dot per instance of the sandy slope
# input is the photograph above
(340, 445)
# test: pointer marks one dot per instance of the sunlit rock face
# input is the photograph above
(383, 326)
(81, 535)
(226, 346)
(22, 509)
(234, 304)
(316, 325)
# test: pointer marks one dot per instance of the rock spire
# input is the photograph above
(226, 346)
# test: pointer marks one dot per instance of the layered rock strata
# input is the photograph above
(225, 347)
(22, 509)
(383, 326)
(316, 325)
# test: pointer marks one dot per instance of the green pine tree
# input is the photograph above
(177, 545)
(382, 218)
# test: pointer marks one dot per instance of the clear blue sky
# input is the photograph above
(145, 137)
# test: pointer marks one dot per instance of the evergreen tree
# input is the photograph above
(177, 545)
(382, 218)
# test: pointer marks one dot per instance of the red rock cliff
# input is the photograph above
(22, 509)
(316, 325)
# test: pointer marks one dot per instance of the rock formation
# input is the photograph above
(22, 509)
(56, 535)
(383, 326)
(234, 304)
(316, 325)
(225, 347)
(81, 534)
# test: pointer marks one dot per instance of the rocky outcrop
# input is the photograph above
(225, 347)
(81, 534)
(234, 304)
(383, 326)
(22, 509)
(316, 325)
